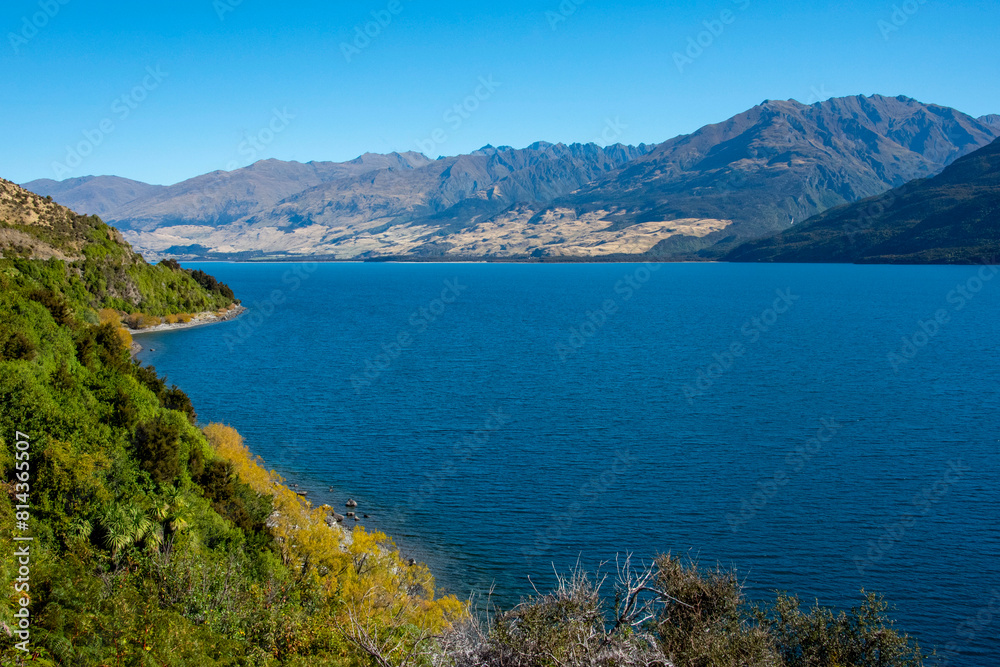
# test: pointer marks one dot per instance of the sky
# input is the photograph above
(162, 91)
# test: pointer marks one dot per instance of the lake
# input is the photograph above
(820, 428)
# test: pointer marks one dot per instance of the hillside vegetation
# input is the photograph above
(91, 264)
(156, 542)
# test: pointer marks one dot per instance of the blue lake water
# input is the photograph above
(499, 419)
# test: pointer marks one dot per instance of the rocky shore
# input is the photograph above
(197, 320)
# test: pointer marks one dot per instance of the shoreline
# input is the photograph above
(198, 320)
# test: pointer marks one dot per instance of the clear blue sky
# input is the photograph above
(555, 80)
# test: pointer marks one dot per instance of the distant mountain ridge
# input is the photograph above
(700, 194)
(97, 195)
(782, 162)
(953, 217)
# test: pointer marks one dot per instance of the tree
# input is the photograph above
(157, 445)
(124, 526)
(171, 511)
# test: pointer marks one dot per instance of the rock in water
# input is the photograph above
(351, 503)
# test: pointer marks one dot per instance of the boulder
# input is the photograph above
(351, 503)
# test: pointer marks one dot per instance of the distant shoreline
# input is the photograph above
(326, 259)
(547, 260)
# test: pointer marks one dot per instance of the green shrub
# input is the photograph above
(15, 345)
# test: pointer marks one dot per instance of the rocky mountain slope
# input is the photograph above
(33, 227)
(953, 217)
(696, 195)
(312, 208)
(780, 163)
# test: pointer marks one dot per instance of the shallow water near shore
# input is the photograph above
(501, 419)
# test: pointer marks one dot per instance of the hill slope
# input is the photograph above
(953, 217)
(100, 269)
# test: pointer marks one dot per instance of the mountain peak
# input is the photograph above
(993, 120)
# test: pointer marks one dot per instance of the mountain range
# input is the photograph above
(695, 196)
